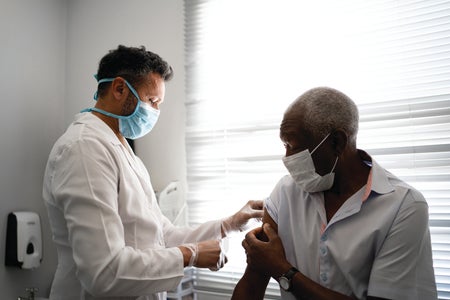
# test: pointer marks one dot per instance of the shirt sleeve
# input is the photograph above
(402, 269)
(272, 203)
(85, 186)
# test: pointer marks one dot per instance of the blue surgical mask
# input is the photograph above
(139, 123)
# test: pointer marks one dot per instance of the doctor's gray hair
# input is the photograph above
(326, 109)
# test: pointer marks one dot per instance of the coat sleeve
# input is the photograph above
(175, 236)
(85, 188)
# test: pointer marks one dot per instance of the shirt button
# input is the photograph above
(324, 277)
(323, 251)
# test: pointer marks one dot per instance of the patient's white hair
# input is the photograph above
(326, 109)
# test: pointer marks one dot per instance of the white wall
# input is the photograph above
(32, 63)
(49, 52)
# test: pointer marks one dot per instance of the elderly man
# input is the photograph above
(339, 226)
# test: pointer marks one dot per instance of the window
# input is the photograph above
(246, 60)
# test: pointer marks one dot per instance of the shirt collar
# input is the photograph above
(380, 181)
(377, 180)
(90, 119)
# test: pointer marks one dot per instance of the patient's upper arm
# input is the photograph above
(267, 219)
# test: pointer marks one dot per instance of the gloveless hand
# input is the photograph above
(267, 257)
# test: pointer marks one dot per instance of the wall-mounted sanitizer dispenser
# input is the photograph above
(23, 240)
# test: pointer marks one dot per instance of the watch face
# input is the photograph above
(284, 283)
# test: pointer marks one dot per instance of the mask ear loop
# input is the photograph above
(335, 163)
(98, 82)
(337, 157)
(133, 91)
(320, 143)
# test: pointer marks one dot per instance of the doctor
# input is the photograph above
(111, 238)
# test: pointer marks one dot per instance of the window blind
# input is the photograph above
(247, 60)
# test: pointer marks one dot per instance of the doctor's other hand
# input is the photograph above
(237, 222)
(266, 256)
(206, 254)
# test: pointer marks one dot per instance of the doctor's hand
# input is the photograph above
(268, 256)
(211, 255)
(206, 254)
(238, 222)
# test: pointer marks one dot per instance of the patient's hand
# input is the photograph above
(265, 251)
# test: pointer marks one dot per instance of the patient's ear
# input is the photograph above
(339, 141)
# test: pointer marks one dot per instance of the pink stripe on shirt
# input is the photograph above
(368, 186)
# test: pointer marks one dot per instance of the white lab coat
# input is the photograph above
(111, 238)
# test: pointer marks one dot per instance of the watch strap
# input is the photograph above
(288, 276)
(290, 273)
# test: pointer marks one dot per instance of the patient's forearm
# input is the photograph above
(251, 286)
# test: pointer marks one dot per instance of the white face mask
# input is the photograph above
(301, 167)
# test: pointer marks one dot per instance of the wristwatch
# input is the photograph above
(285, 280)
